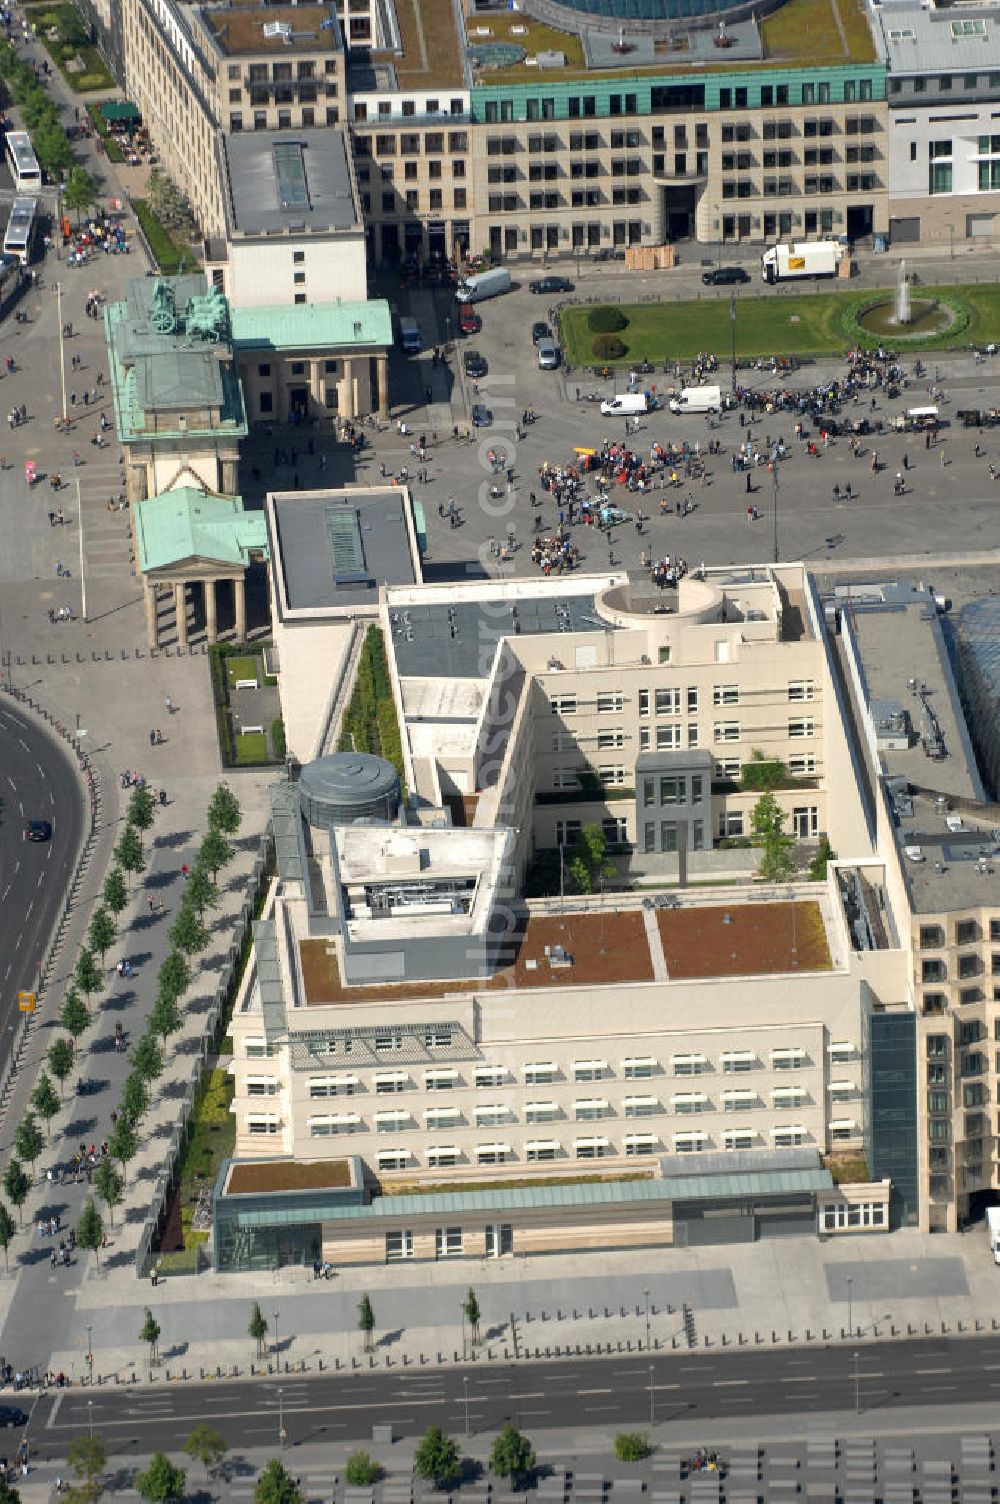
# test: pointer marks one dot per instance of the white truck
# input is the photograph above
(813, 258)
(697, 399)
(483, 285)
(993, 1228)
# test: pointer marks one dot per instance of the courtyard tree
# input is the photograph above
(115, 893)
(588, 859)
(224, 811)
(44, 1100)
(109, 1184)
(60, 1058)
(90, 1229)
(7, 1231)
(215, 852)
(768, 822)
(75, 1016)
(360, 1470)
(16, 1185)
(258, 1328)
(101, 934)
(128, 852)
(87, 1460)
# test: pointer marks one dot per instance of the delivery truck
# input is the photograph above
(814, 258)
(697, 399)
(483, 285)
(993, 1228)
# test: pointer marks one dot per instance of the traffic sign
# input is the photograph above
(26, 1002)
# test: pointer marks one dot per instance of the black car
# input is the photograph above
(474, 363)
(721, 276)
(539, 332)
(11, 1416)
(37, 830)
(551, 284)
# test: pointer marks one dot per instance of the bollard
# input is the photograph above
(354, 1362)
(623, 1311)
(218, 1372)
(741, 1340)
(774, 1335)
(321, 1365)
(439, 1358)
(405, 1360)
(559, 1314)
(547, 1352)
(506, 1352)
(588, 1349)
(629, 1346)
(607, 1313)
(527, 1316)
(979, 1325)
(809, 1335)
(790, 1336)
(590, 1312)
(544, 1316)
(673, 1342)
(725, 1340)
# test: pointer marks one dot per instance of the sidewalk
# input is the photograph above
(786, 1291)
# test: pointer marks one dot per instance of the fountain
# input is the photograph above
(902, 296)
(903, 317)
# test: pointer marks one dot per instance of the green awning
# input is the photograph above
(120, 111)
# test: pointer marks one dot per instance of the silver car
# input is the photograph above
(548, 355)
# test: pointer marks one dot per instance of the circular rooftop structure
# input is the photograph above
(496, 54)
(348, 786)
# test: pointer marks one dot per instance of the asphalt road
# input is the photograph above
(37, 782)
(568, 1394)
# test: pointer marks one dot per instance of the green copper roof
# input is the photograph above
(188, 524)
(312, 326)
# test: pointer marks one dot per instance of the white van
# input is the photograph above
(483, 285)
(697, 399)
(625, 406)
(409, 336)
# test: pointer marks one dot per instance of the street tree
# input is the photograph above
(7, 1231)
(109, 1184)
(224, 811)
(101, 934)
(207, 1447)
(124, 1142)
(75, 1015)
(135, 1098)
(16, 1185)
(150, 1334)
(276, 1485)
(165, 1017)
(436, 1458)
(174, 977)
(473, 1313)
(147, 1058)
(512, 1455)
(141, 808)
(44, 1100)
(128, 852)
(201, 892)
(8, 1493)
(86, 1458)
(258, 1328)
(115, 893)
(161, 1482)
(366, 1321)
(90, 1229)
(87, 976)
(361, 1470)
(215, 852)
(28, 1139)
(187, 933)
(79, 192)
(60, 1059)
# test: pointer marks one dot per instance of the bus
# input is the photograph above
(24, 168)
(21, 230)
(13, 282)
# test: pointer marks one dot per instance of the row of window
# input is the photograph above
(548, 1072)
(967, 932)
(686, 97)
(668, 700)
(935, 969)
(846, 1214)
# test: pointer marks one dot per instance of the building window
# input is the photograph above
(448, 1242)
(540, 1151)
(398, 1245)
(801, 689)
(668, 738)
(540, 1074)
(639, 1068)
(725, 694)
(799, 729)
(262, 1123)
(689, 1065)
(610, 702)
(738, 1062)
(726, 731)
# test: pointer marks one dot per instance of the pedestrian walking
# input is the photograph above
(169, 705)
(149, 901)
(185, 874)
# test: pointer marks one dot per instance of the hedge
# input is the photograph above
(609, 347)
(168, 255)
(606, 320)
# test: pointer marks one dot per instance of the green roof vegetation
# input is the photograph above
(808, 31)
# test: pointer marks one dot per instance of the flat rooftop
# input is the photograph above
(919, 40)
(748, 939)
(257, 1177)
(336, 548)
(439, 641)
(583, 950)
(432, 55)
(294, 181)
(238, 29)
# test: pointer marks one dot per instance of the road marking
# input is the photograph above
(24, 744)
(54, 1411)
(594, 1391)
(28, 910)
(806, 1378)
(936, 1388)
(730, 1383)
(932, 1370)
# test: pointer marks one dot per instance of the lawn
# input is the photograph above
(170, 257)
(72, 42)
(211, 1140)
(251, 748)
(769, 324)
(244, 666)
(803, 30)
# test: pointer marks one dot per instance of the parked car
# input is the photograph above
(539, 332)
(551, 284)
(548, 355)
(37, 830)
(481, 416)
(468, 319)
(10, 1415)
(722, 276)
(474, 364)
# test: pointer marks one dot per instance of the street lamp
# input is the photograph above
(464, 1345)
(275, 1314)
(281, 1421)
(774, 485)
(652, 1416)
(857, 1383)
(646, 1293)
(850, 1282)
(62, 356)
(82, 565)
(90, 1345)
(465, 1387)
(90, 1418)
(732, 320)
